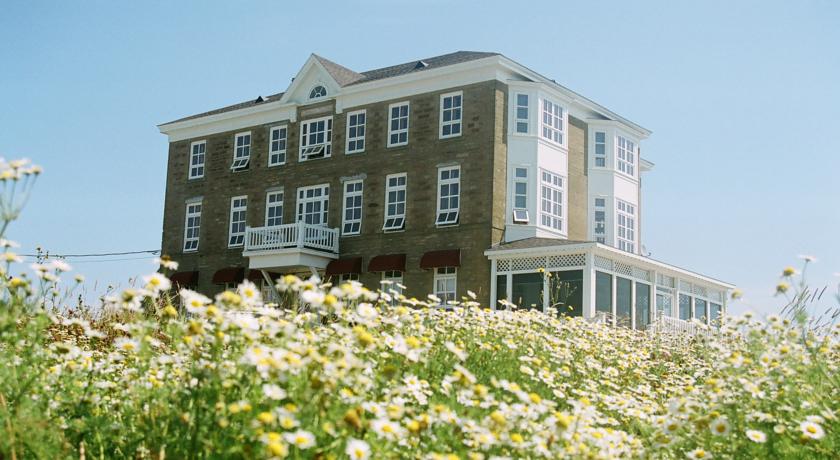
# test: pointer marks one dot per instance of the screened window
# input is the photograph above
(522, 113)
(664, 303)
(603, 292)
(192, 226)
(642, 306)
(241, 151)
(626, 155)
(238, 210)
(566, 292)
(356, 131)
(445, 282)
(450, 114)
(714, 313)
(198, 153)
(685, 307)
(313, 204)
(449, 192)
(623, 301)
(277, 146)
(520, 196)
(600, 149)
(395, 194)
(398, 124)
(274, 208)
(527, 290)
(551, 201)
(700, 310)
(352, 216)
(599, 228)
(316, 139)
(501, 287)
(626, 226)
(552, 122)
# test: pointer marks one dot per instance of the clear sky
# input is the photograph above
(743, 99)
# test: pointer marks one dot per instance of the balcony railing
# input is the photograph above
(675, 326)
(297, 235)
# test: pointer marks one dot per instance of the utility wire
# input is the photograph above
(101, 254)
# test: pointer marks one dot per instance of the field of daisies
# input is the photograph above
(341, 371)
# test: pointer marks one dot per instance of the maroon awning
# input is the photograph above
(255, 275)
(229, 275)
(342, 266)
(184, 278)
(387, 262)
(444, 258)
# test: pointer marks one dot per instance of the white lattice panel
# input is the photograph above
(664, 290)
(623, 269)
(503, 266)
(665, 280)
(530, 263)
(603, 262)
(638, 273)
(700, 290)
(567, 260)
(716, 296)
(685, 286)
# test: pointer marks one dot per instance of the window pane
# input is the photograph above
(623, 301)
(566, 292)
(527, 290)
(603, 292)
(685, 307)
(642, 306)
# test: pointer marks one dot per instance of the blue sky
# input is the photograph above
(743, 99)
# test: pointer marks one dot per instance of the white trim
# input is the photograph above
(553, 190)
(239, 235)
(625, 158)
(629, 216)
(352, 194)
(398, 131)
(358, 139)
(450, 215)
(445, 274)
(197, 166)
(397, 219)
(557, 125)
(194, 214)
(268, 205)
(517, 119)
(453, 122)
(595, 155)
(317, 150)
(279, 152)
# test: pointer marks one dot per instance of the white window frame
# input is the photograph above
(352, 225)
(447, 214)
(553, 122)
(303, 200)
(272, 221)
(347, 277)
(276, 154)
(517, 119)
(625, 235)
(315, 150)
(520, 213)
(453, 123)
(600, 154)
(314, 95)
(602, 208)
(444, 275)
(193, 211)
(197, 168)
(236, 237)
(625, 155)
(241, 153)
(396, 278)
(354, 141)
(397, 132)
(550, 186)
(396, 221)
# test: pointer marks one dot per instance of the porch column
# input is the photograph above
(493, 286)
(614, 296)
(589, 284)
(546, 294)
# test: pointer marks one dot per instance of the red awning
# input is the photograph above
(342, 266)
(445, 258)
(229, 275)
(184, 278)
(387, 262)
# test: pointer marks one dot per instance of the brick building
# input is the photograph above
(466, 171)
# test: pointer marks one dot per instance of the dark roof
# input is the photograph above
(534, 242)
(346, 77)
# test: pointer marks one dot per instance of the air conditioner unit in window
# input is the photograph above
(520, 216)
(240, 163)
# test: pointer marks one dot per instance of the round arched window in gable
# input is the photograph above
(318, 91)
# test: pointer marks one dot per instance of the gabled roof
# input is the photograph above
(534, 242)
(342, 75)
(242, 105)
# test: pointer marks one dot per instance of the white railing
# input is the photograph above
(670, 325)
(297, 235)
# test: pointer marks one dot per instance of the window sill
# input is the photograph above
(451, 136)
(394, 146)
(304, 160)
(276, 165)
(355, 152)
(195, 178)
(350, 235)
(189, 251)
(456, 224)
(399, 230)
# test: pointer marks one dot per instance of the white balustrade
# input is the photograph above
(297, 235)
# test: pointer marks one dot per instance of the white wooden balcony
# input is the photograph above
(290, 247)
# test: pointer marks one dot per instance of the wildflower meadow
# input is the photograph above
(342, 371)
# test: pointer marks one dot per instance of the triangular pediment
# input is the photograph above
(319, 79)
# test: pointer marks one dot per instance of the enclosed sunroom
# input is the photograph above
(589, 279)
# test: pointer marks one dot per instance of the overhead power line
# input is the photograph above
(99, 254)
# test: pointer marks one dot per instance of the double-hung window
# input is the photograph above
(238, 210)
(313, 204)
(352, 217)
(445, 283)
(198, 153)
(521, 113)
(398, 124)
(241, 151)
(449, 195)
(393, 281)
(192, 226)
(626, 226)
(625, 154)
(520, 196)
(450, 114)
(600, 149)
(277, 146)
(551, 201)
(316, 138)
(356, 131)
(274, 208)
(552, 122)
(599, 228)
(395, 195)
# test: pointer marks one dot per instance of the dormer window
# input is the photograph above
(318, 91)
